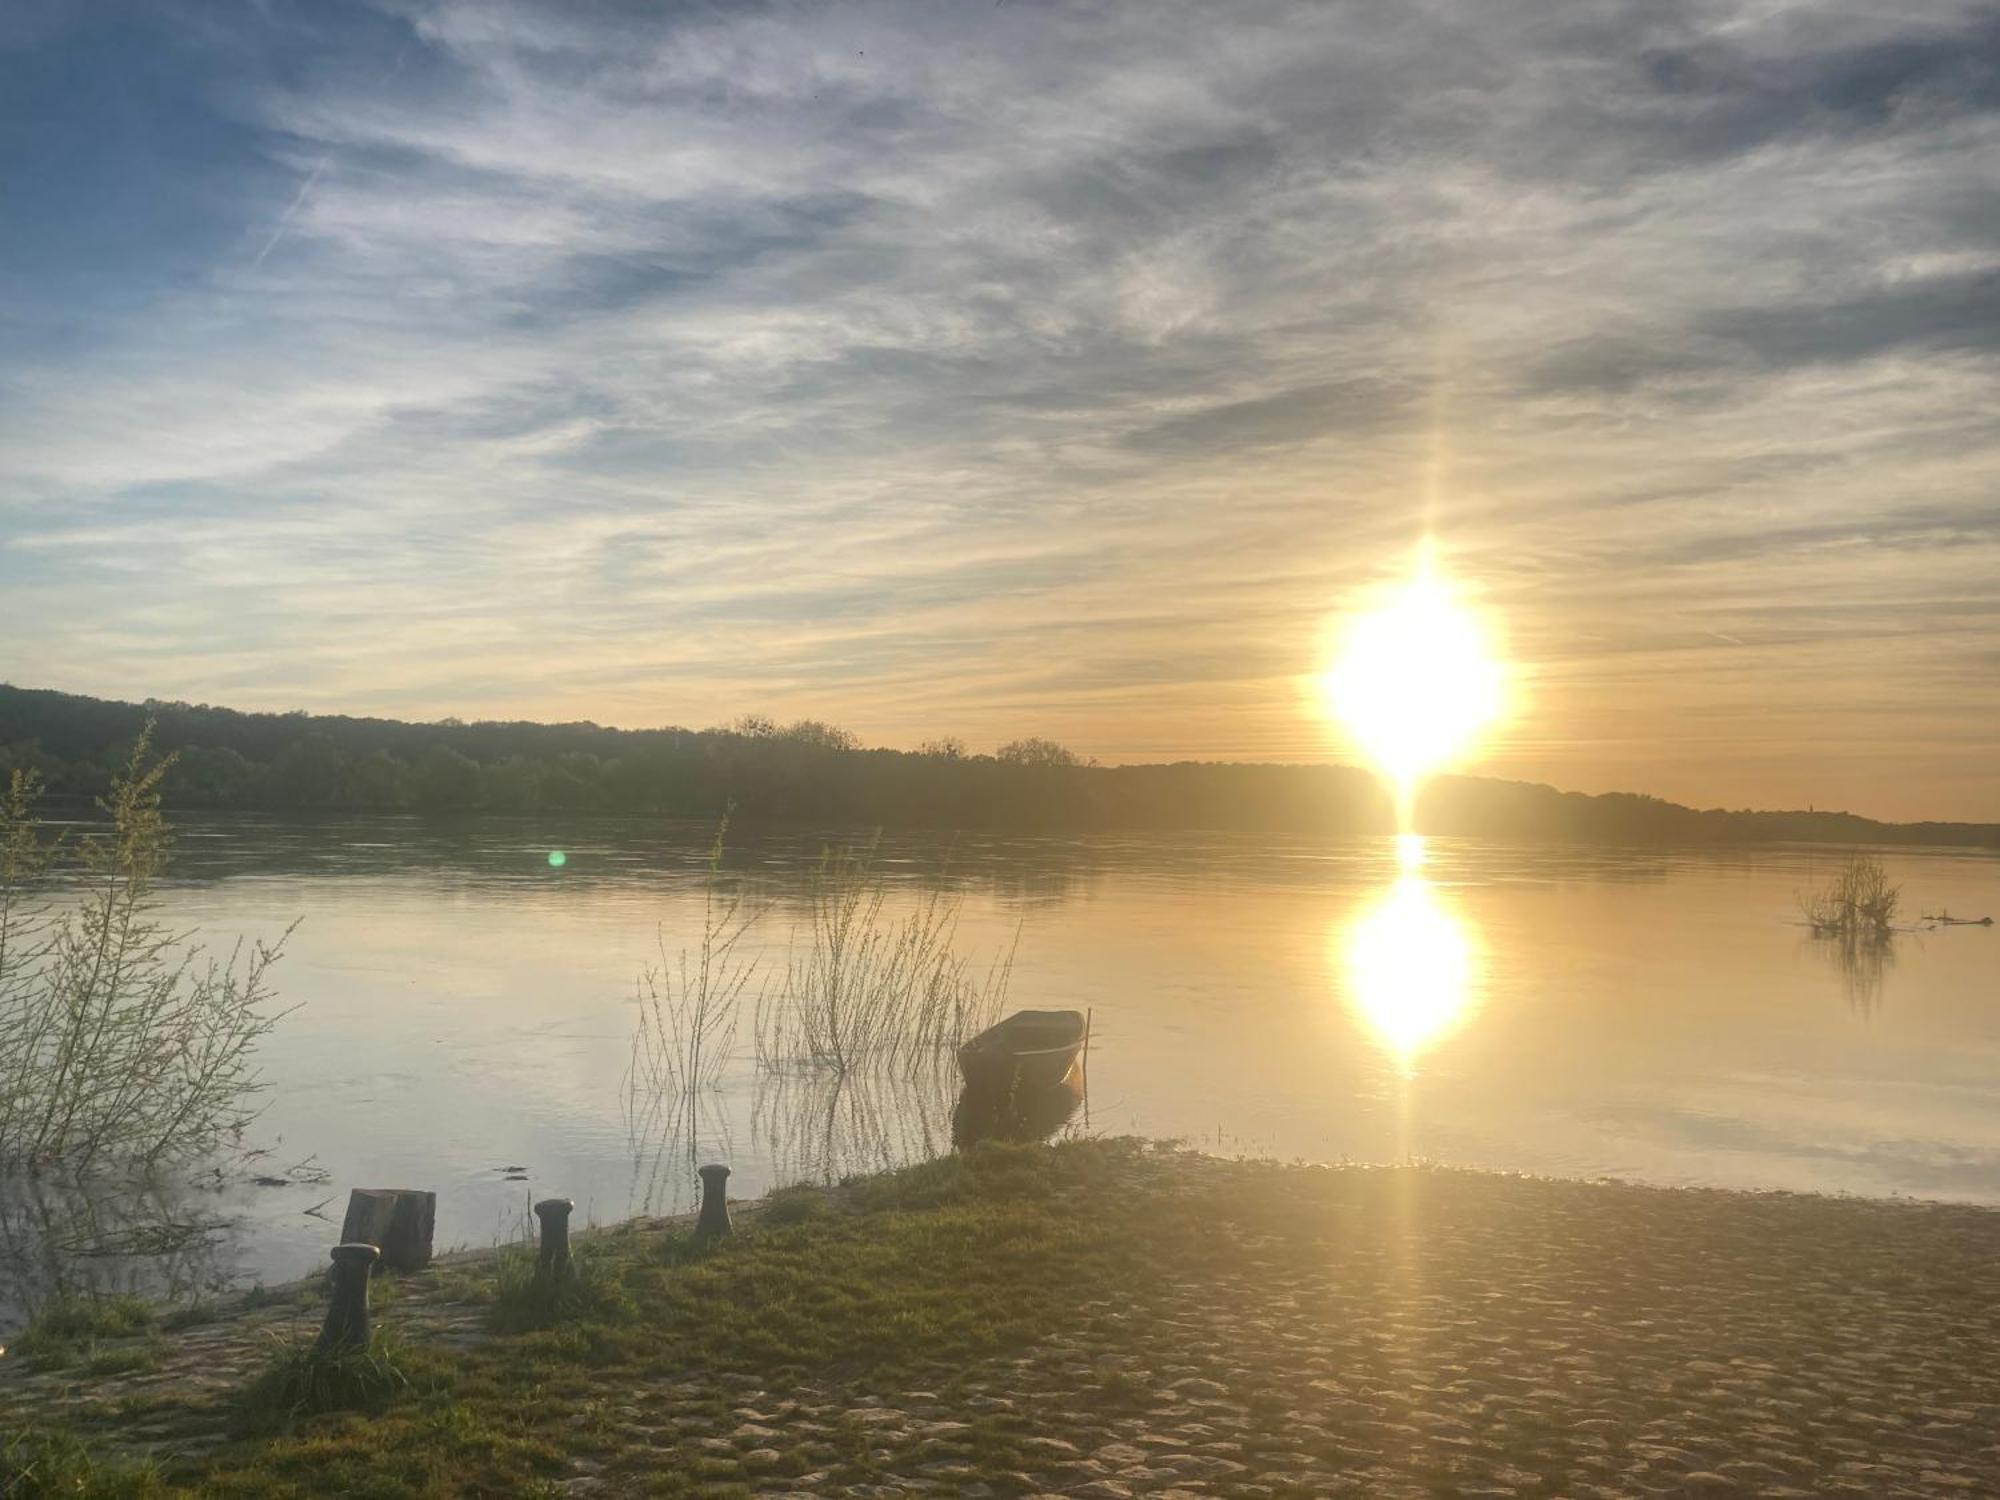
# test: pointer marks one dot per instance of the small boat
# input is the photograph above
(1031, 1050)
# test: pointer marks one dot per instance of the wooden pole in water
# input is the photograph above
(1089, 1015)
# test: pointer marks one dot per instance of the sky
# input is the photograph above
(999, 369)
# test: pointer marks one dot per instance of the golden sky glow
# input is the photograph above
(988, 371)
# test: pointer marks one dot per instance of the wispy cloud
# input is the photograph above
(1031, 368)
(291, 212)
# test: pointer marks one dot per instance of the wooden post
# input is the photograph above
(398, 1221)
(346, 1325)
(714, 1221)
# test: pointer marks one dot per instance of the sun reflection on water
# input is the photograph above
(1410, 963)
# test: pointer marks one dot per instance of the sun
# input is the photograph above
(1415, 681)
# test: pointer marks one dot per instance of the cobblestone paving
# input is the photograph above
(1400, 1332)
(174, 1400)
(1416, 1333)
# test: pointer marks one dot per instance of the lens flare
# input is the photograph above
(557, 859)
(1415, 681)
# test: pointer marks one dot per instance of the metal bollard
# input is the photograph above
(346, 1325)
(714, 1221)
(553, 1263)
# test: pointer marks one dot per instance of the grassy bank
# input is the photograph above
(1103, 1318)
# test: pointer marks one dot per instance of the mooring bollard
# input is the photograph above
(714, 1221)
(553, 1263)
(346, 1325)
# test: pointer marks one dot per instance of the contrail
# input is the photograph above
(285, 219)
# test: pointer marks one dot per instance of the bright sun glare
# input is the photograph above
(1415, 680)
(1411, 966)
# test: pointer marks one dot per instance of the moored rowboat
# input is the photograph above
(1031, 1049)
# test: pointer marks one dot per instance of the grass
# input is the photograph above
(67, 1328)
(131, 1359)
(37, 1463)
(793, 1205)
(914, 1273)
(522, 1300)
(1098, 1275)
(302, 1382)
(188, 1315)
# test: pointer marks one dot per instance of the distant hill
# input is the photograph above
(812, 773)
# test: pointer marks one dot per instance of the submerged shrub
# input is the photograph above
(688, 1010)
(1859, 901)
(869, 988)
(120, 1042)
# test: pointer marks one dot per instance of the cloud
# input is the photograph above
(1943, 313)
(1290, 417)
(994, 370)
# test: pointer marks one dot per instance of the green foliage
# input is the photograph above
(793, 1205)
(119, 1043)
(928, 1273)
(41, 1463)
(66, 1327)
(302, 1382)
(127, 1359)
(523, 1299)
(188, 1315)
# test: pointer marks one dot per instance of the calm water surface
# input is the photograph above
(465, 1007)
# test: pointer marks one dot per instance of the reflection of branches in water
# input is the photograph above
(63, 1237)
(671, 1135)
(820, 1127)
(1864, 960)
(687, 1022)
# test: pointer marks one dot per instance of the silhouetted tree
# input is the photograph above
(815, 773)
(1035, 751)
(447, 781)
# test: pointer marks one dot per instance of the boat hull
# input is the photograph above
(1031, 1050)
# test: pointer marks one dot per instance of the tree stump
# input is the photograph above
(398, 1221)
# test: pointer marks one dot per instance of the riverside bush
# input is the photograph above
(121, 1042)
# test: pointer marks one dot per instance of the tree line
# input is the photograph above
(813, 773)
